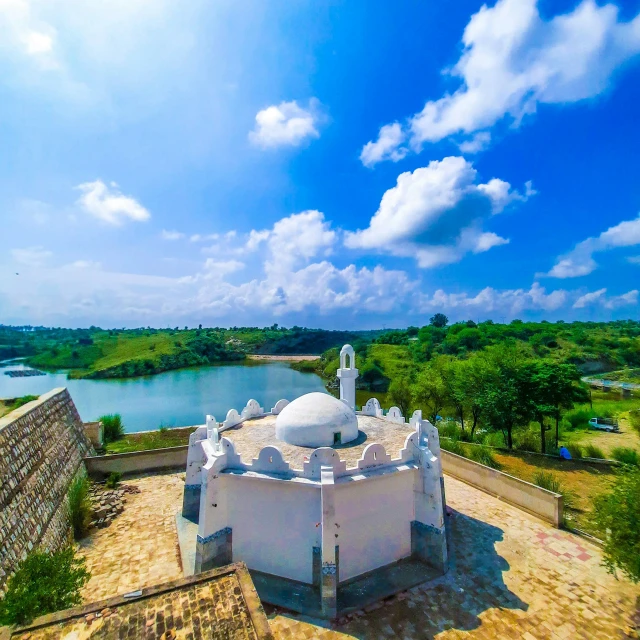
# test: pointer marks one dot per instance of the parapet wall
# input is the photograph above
(42, 445)
(521, 494)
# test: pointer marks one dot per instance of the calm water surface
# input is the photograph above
(173, 398)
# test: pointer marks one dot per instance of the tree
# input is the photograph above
(430, 390)
(618, 513)
(454, 392)
(552, 388)
(474, 377)
(439, 320)
(401, 395)
(505, 403)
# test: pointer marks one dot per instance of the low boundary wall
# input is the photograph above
(137, 461)
(526, 496)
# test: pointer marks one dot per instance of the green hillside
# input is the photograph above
(98, 353)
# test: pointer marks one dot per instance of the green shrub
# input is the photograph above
(19, 402)
(634, 420)
(452, 446)
(548, 481)
(527, 441)
(618, 513)
(112, 426)
(465, 436)
(484, 455)
(113, 480)
(79, 505)
(578, 418)
(575, 450)
(591, 451)
(626, 455)
(449, 429)
(43, 583)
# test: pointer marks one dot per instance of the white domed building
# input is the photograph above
(330, 507)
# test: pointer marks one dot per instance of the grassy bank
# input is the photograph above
(9, 404)
(161, 439)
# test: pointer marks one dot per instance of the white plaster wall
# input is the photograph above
(274, 525)
(375, 522)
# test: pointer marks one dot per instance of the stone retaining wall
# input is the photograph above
(42, 445)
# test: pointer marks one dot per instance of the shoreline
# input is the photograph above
(281, 358)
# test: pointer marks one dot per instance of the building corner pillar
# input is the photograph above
(329, 579)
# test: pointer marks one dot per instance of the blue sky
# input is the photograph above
(338, 164)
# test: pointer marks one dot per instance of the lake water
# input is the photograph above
(173, 398)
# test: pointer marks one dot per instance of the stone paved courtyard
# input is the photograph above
(512, 575)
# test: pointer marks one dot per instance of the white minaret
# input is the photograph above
(348, 376)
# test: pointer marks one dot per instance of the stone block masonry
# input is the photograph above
(42, 445)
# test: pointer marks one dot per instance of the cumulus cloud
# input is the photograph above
(510, 301)
(108, 204)
(634, 259)
(580, 261)
(31, 256)
(600, 297)
(436, 213)
(285, 125)
(589, 298)
(388, 146)
(513, 60)
(294, 240)
(626, 299)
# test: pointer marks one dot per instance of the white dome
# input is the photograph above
(316, 420)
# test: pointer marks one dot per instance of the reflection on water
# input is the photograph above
(173, 398)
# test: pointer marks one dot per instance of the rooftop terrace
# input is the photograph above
(253, 435)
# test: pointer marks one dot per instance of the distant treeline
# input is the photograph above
(122, 353)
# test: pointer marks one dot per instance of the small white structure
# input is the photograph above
(348, 374)
(321, 519)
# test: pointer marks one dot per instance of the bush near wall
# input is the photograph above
(43, 583)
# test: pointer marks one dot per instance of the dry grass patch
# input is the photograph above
(584, 481)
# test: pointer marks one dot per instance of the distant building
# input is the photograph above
(329, 507)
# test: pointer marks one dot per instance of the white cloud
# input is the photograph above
(490, 300)
(109, 204)
(634, 259)
(285, 125)
(513, 60)
(589, 298)
(580, 262)
(388, 146)
(626, 299)
(38, 43)
(435, 214)
(31, 256)
(600, 297)
(293, 241)
(476, 144)
(172, 235)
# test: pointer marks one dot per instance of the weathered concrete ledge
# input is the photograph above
(526, 496)
(137, 461)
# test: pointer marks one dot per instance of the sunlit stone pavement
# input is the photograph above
(512, 576)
